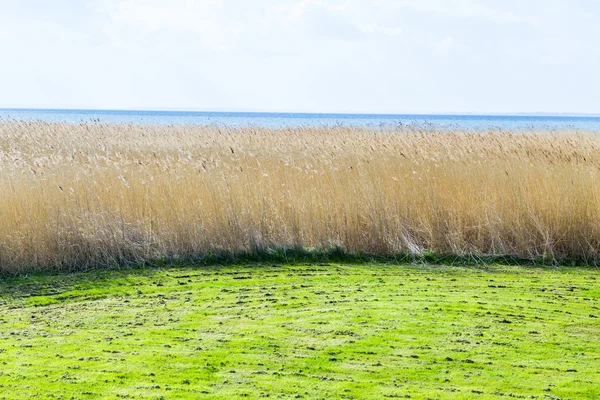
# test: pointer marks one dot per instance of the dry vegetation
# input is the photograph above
(77, 196)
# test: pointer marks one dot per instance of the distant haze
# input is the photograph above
(380, 56)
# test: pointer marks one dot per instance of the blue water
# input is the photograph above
(274, 120)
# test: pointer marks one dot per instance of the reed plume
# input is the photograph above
(91, 195)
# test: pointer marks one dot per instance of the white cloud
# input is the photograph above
(445, 46)
(315, 55)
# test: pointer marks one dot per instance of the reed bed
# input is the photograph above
(76, 196)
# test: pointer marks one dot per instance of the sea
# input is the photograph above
(276, 120)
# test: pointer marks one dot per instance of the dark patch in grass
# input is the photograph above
(318, 257)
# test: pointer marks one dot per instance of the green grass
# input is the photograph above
(303, 331)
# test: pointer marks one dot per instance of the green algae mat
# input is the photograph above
(303, 331)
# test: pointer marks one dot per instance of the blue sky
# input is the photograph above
(379, 56)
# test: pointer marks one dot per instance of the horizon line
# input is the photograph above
(254, 111)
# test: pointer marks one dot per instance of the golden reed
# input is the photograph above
(89, 195)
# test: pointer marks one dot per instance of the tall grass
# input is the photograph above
(88, 195)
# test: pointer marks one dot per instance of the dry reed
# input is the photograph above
(89, 195)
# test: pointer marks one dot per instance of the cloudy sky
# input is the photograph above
(375, 56)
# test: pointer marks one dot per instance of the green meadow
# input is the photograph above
(315, 331)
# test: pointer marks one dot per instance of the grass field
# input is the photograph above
(303, 331)
(78, 196)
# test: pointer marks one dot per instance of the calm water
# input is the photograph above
(302, 119)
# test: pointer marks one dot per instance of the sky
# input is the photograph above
(361, 56)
